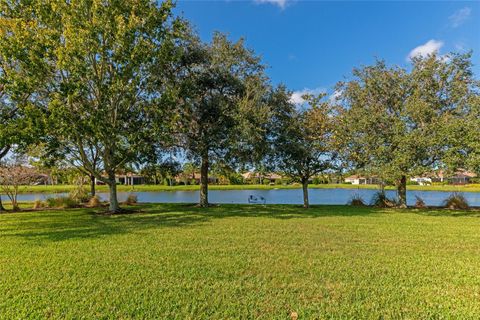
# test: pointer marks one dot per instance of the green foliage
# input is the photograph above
(61, 202)
(301, 137)
(219, 91)
(456, 201)
(365, 254)
(235, 179)
(104, 63)
(79, 194)
(397, 124)
(23, 75)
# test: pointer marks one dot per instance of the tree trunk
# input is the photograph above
(402, 192)
(305, 192)
(112, 185)
(204, 182)
(2, 209)
(92, 185)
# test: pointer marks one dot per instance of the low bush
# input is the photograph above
(381, 200)
(456, 201)
(79, 195)
(419, 203)
(38, 204)
(356, 201)
(62, 202)
(94, 202)
(131, 199)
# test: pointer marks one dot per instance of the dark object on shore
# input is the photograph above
(381, 200)
(419, 203)
(256, 199)
(456, 201)
(356, 201)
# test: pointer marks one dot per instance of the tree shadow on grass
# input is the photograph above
(83, 224)
(88, 223)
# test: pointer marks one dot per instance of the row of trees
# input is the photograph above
(100, 85)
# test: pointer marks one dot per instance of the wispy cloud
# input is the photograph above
(459, 17)
(335, 96)
(430, 47)
(297, 96)
(281, 3)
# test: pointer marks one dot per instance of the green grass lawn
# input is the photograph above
(246, 262)
(103, 188)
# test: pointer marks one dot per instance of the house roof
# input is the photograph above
(460, 173)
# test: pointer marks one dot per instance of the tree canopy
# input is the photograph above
(100, 91)
(397, 124)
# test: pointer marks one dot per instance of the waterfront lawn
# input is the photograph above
(249, 262)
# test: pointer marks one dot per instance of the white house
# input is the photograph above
(356, 179)
(423, 181)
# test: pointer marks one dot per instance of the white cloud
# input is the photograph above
(432, 46)
(281, 3)
(296, 97)
(335, 96)
(459, 17)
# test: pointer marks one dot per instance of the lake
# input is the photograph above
(278, 196)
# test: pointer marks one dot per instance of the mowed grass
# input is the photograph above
(240, 262)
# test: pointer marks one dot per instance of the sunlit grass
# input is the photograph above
(183, 262)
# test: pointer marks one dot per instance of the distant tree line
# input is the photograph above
(103, 85)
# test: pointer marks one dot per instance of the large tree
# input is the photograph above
(23, 74)
(100, 93)
(396, 123)
(301, 137)
(219, 88)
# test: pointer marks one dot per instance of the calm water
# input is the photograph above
(280, 196)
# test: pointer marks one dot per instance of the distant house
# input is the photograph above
(461, 176)
(130, 179)
(184, 178)
(423, 181)
(43, 179)
(257, 177)
(357, 179)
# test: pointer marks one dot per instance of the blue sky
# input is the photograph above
(310, 45)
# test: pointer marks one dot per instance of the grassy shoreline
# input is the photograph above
(240, 261)
(156, 188)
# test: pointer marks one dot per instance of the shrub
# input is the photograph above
(61, 202)
(381, 200)
(419, 203)
(356, 201)
(456, 201)
(235, 178)
(131, 199)
(94, 202)
(79, 195)
(38, 204)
